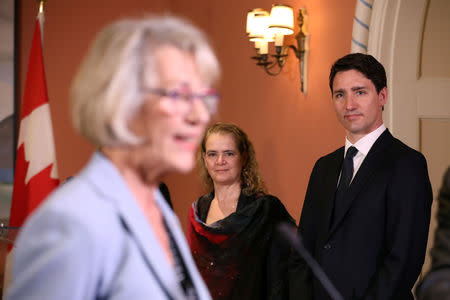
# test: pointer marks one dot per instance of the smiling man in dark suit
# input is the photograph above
(366, 213)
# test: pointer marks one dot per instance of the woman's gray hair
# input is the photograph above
(107, 90)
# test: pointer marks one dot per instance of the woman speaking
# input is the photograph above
(143, 97)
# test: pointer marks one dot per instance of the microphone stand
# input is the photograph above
(288, 232)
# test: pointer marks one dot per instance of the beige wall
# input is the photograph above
(436, 40)
(434, 144)
(289, 130)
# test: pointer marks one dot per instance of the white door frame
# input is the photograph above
(395, 39)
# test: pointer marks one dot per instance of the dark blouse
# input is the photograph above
(240, 256)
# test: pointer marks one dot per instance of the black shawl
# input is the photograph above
(240, 256)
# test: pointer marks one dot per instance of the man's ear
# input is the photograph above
(382, 96)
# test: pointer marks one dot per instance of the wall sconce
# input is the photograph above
(264, 28)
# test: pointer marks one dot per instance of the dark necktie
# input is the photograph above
(347, 168)
(344, 182)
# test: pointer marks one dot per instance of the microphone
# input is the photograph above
(290, 235)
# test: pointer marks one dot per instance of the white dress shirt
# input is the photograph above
(363, 146)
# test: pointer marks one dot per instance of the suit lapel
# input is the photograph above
(173, 225)
(371, 164)
(107, 176)
(148, 245)
(330, 185)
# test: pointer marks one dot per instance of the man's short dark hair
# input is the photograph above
(364, 63)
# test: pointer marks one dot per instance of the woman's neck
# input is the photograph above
(227, 193)
(224, 203)
(126, 159)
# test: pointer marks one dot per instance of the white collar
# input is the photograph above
(366, 142)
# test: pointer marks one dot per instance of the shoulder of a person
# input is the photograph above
(204, 199)
(276, 205)
(275, 201)
(267, 197)
(332, 155)
(270, 199)
(79, 209)
(76, 226)
(403, 154)
(435, 284)
(328, 159)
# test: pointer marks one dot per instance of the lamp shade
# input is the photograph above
(257, 26)
(281, 19)
(251, 18)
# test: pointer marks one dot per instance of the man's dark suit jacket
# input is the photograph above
(375, 249)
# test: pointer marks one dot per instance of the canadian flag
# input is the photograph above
(36, 172)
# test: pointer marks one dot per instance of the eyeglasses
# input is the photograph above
(210, 99)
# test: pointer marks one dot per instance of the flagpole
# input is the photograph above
(41, 5)
(41, 18)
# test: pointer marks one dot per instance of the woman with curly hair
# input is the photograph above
(232, 229)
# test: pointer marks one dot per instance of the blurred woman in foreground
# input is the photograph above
(232, 228)
(143, 97)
